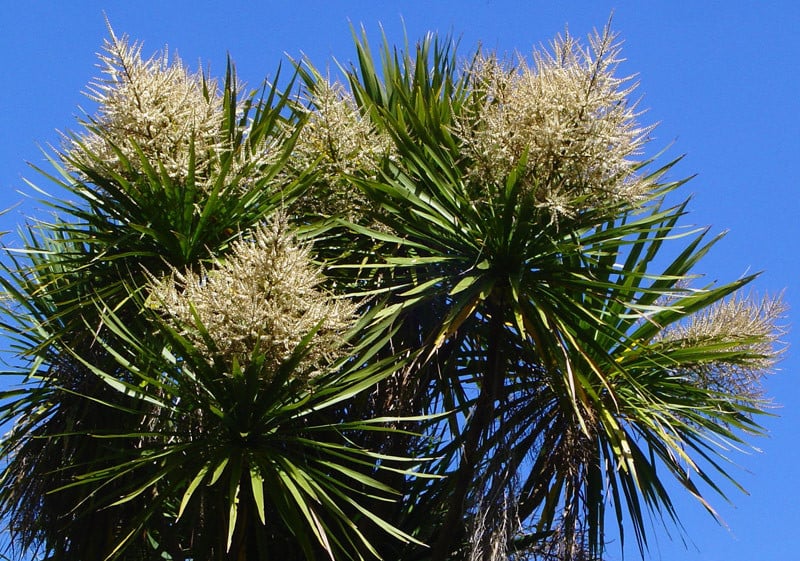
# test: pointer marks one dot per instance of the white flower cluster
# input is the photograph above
(341, 141)
(263, 298)
(150, 105)
(336, 132)
(569, 115)
(750, 326)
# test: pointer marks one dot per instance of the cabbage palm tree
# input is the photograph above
(128, 406)
(425, 315)
(519, 242)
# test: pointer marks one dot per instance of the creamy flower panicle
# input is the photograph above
(263, 297)
(155, 110)
(153, 105)
(569, 115)
(339, 141)
(750, 326)
(338, 134)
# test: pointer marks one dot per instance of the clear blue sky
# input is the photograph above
(722, 78)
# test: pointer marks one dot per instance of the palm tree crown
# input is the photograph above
(432, 311)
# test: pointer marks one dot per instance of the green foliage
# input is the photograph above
(528, 345)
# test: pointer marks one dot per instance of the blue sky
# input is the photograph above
(721, 78)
